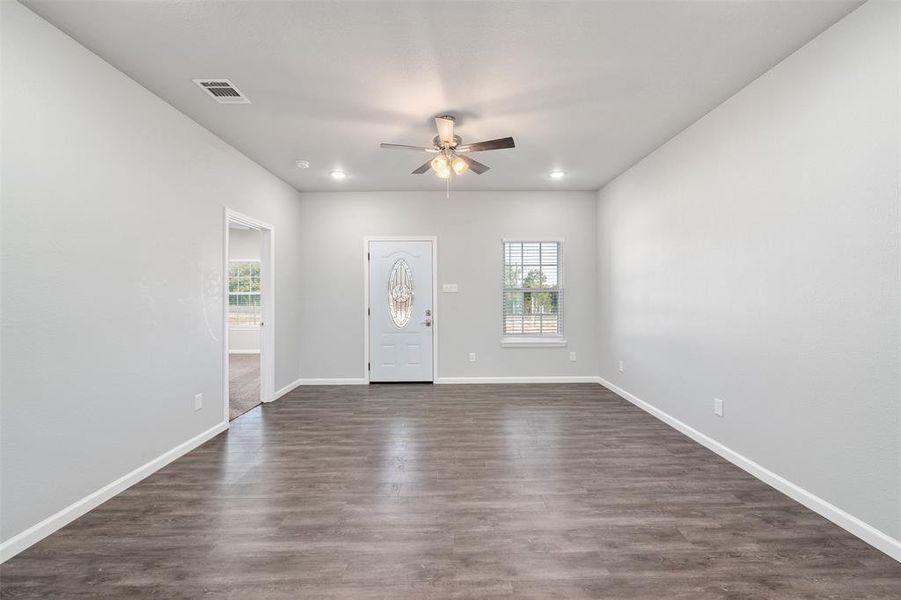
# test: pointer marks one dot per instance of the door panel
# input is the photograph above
(400, 311)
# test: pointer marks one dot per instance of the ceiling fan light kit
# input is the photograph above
(451, 153)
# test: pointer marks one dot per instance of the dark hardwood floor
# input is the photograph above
(416, 491)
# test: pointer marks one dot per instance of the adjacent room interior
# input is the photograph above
(450, 299)
(245, 317)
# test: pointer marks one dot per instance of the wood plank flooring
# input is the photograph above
(418, 491)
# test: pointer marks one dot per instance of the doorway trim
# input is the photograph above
(267, 299)
(436, 322)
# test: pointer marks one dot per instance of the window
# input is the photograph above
(533, 291)
(244, 293)
(400, 293)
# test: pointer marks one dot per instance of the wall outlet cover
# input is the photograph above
(718, 407)
(450, 288)
(472, 357)
(621, 367)
(572, 357)
(198, 401)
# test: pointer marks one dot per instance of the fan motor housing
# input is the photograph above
(457, 141)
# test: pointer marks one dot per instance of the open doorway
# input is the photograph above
(245, 314)
(248, 311)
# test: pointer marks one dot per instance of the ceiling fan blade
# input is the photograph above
(405, 147)
(498, 144)
(474, 165)
(423, 168)
(445, 125)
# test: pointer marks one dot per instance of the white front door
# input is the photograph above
(401, 313)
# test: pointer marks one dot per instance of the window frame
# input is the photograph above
(228, 303)
(530, 340)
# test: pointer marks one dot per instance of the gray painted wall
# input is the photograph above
(755, 258)
(112, 268)
(244, 244)
(470, 227)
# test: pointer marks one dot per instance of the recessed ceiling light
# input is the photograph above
(303, 164)
(338, 175)
(557, 174)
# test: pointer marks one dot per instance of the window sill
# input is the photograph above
(533, 342)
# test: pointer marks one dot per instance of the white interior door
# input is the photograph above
(401, 313)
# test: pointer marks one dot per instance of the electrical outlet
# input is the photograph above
(472, 357)
(622, 368)
(718, 407)
(572, 357)
(198, 401)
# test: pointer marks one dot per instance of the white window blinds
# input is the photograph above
(533, 289)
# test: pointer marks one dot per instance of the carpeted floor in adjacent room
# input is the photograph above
(243, 383)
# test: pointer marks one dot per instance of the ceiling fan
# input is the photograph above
(452, 152)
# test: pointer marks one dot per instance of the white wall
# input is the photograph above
(470, 227)
(244, 244)
(755, 258)
(112, 257)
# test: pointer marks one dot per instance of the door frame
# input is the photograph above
(436, 324)
(267, 300)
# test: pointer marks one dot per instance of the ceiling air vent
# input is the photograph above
(223, 91)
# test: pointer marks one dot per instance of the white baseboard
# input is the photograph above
(442, 380)
(244, 351)
(550, 379)
(279, 393)
(302, 381)
(846, 521)
(335, 381)
(37, 532)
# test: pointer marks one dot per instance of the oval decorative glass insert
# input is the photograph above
(400, 293)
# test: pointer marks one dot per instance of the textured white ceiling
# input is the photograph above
(588, 87)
